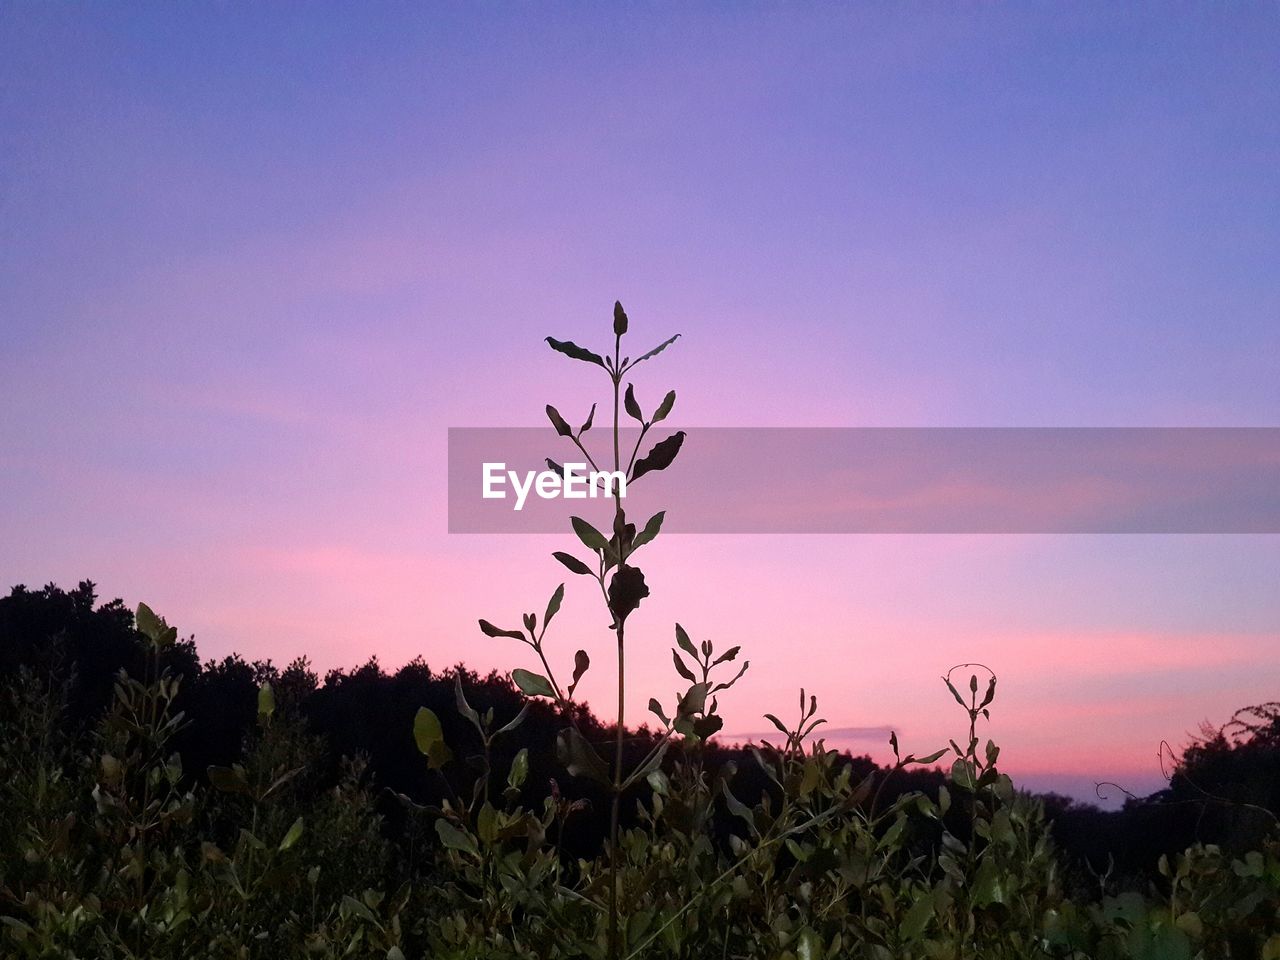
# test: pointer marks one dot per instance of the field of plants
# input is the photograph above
(137, 820)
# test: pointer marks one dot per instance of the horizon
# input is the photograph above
(253, 268)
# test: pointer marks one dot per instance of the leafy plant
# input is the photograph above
(622, 588)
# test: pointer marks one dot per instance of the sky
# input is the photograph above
(256, 259)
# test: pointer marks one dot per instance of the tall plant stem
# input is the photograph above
(617, 384)
(615, 946)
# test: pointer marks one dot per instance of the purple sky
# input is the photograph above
(256, 259)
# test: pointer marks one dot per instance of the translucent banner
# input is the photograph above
(878, 480)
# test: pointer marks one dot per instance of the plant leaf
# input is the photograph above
(351, 906)
(727, 656)
(464, 708)
(557, 421)
(962, 774)
(581, 662)
(655, 351)
(590, 419)
(626, 590)
(519, 769)
(430, 738)
(708, 726)
(809, 946)
(990, 695)
(660, 457)
(591, 538)
(572, 563)
(516, 720)
(154, 628)
(931, 758)
(533, 684)
(656, 709)
(266, 700)
(489, 630)
(726, 684)
(664, 408)
(916, 921)
(694, 700)
(777, 723)
(630, 405)
(681, 668)
(455, 839)
(579, 757)
(988, 887)
(651, 530)
(682, 638)
(570, 349)
(553, 606)
(624, 534)
(292, 837)
(737, 807)
(149, 625)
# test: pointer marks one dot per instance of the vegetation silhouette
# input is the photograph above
(351, 731)
(154, 805)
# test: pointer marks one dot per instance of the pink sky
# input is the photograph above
(255, 263)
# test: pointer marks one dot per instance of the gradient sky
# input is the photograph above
(256, 259)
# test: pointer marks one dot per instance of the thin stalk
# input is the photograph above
(577, 441)
(488, 767)
(616, 807)
(640, 439)
(666, 736)
(615, 946)
(537, 648)
(617, 382)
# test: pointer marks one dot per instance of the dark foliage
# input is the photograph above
(1225, 791)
